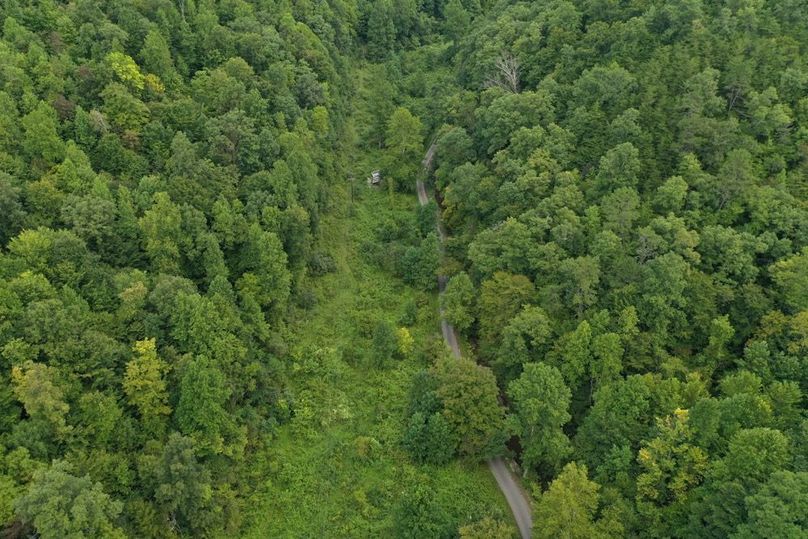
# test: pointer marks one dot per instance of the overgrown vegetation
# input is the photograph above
(339, 467)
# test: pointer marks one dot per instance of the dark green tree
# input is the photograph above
(384, 343)
(59, 504)
(540, 402)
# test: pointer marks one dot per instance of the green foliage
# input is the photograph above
(430, 439)
(468, 393)
(36, 387)
(792, 280)
(568, 507)
(670, 466)
(181, 484)
(381, 32)
(611, 197)
(501, 298)
(11, 212)
(144, 383)
(487, 528)
(348, 403)
(623, 190)
(404, 342)
(752, 457)
(160, 226)
(778, 509)
(59, 504)
(404, 144)
(457, 19)
(385, 343)
(163, 174)
(418, 515)
(41, 140)
(540, 400)
(201, 409)
(458, 301)
(419, 263)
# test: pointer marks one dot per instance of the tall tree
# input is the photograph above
(41, 139)
(381, 30)
(201, 411)
(469, 395)
(457, 301)
(568, 507)
(145, 387)
(182, 485)
(779, 509)
(59, 504)
(419, 514)
(404, 144)
(540, 402)
(160, 226)
(670, 466)
(37, 387)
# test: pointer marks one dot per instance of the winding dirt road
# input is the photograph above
(517, 500)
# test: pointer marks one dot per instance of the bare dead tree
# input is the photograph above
(507, 73)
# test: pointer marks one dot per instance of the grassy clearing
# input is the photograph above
(337, 468)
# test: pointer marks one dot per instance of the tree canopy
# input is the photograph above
(618, 211)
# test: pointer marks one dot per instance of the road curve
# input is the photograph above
(517, 500)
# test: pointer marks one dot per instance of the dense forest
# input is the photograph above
(625, 184)
(210, 326)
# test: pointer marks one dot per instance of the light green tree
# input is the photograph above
(160, 226)
(487, 528)
(144, 384)
(671, 464)
(404, 144)
(36, 386)
(470, 405)
(566, 510)
(41, 138)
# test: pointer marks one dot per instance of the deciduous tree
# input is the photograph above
(540, 402)
(145, 386)
(469, 395)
